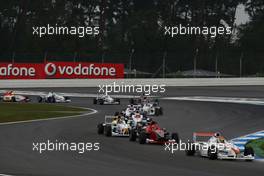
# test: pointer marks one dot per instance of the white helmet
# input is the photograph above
(217, 134)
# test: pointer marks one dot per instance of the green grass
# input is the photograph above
(11, 112)
(258, 146)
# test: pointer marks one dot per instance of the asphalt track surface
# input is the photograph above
(118, 156)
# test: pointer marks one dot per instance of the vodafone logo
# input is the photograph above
(61, 70)
(50, 69)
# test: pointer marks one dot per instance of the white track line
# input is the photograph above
(39, 120)
(253, 101)
(48, 119)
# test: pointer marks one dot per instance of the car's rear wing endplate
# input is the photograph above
(202, 136)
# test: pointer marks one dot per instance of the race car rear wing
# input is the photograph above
(202, 136)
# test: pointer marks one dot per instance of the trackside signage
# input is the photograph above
(61, 70)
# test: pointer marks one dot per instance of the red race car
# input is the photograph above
(153, 134)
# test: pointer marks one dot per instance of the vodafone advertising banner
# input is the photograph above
(61, 70)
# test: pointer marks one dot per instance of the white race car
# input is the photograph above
(114, 126)
(10, 96)
(136, 118)
(152, 109)
(52, 97)
(214, 146)
(106, 100)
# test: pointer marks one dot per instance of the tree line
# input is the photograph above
(132, 32)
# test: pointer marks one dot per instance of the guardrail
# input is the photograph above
(95, 82)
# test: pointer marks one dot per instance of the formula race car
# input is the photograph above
(132, 109)
(152, 109)
(52, 97)
(143, 99)
(214, 146)
(10, 96)
(148, 106)
(153, 134)
(106, 100)
(114, 126)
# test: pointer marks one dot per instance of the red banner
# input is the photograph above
(61, 70)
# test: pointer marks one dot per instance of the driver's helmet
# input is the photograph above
(118, 118)
(137, 115)
(217, 135)
(149, 120)
(153, 123)
(114, 119)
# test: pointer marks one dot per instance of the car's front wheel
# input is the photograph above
(51, 100)
(249, 151)
(175, 136)
(132, 135)
(108, 130)
(212, 152)
(13, 99)
(142, 138)
(190, 151)
(100, 128)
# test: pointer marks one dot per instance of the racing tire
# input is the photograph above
(27, 99)
(118, 101)
(142, 138)
(13, 99)
(249, 151)
(101, 102)
(132, 135)
(51, 100)
(190, 151)
(131, 101)
(160, 111)
(157, 113)
(100, 128)
(94, 101)
(175, 136)
(108, 130)
(212, 153)
(40, 99)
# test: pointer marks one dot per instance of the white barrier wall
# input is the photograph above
(96, 82)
